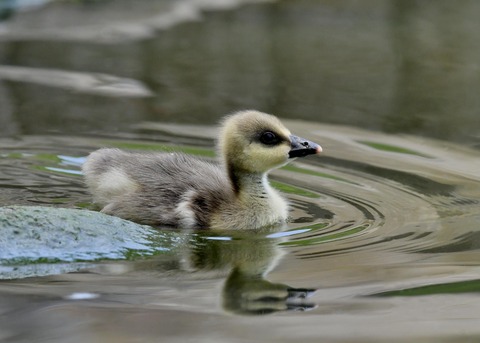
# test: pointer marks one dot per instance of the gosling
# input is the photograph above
(174, 189)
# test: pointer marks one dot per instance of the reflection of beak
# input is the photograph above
(302, 147)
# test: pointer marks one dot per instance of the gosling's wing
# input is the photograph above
(155, 188)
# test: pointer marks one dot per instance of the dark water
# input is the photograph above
(395, 66)
(385, 224)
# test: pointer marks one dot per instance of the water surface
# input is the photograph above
(385, 224)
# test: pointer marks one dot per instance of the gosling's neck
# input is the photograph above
(254, 188)
(264, 205)
(253, 185)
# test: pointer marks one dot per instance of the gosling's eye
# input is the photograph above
(269, 138)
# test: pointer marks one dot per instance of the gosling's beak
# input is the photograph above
(302, 147)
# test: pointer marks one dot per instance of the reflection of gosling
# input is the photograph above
(180, 190)
(248, 256)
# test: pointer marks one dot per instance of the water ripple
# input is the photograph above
(351, 200)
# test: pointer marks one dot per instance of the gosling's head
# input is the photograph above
(256, 142)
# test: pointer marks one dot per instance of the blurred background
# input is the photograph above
(400, 66)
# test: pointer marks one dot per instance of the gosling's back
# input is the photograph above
(157, 189)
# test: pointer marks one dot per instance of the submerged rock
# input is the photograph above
(44, 240)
